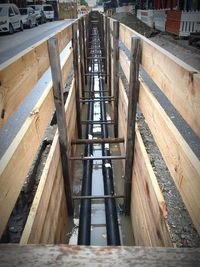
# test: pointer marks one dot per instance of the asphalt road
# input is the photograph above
(10, 45)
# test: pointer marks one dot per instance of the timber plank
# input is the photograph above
(36, 219)
(33, 129)
(182, 163)
(17, 160)
(153, 204)
(21, 73)
(176, 79)
(148, 211)
(65, 255)
(48, 227)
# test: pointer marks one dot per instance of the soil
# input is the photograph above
(182, 230)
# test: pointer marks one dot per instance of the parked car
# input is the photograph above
(28, 17)
(48, 11)
(10, 18)
(40, 16)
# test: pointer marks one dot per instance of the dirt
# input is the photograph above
(182, 230)
(178, 47)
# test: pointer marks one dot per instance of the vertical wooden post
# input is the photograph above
(115, 73)
(105, 46)
(76, 77)
(61, 119)
(83, 46)
(82, 69)
(108, 57)
(86, 42)
(132, 108)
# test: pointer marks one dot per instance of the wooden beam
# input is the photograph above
(76, 77)
(132, 107)
(182, 163)
(33, 229)
(33, 129)
(176, 79)
(65, 255)
(148, 208)
(108, 57)
(97, 141)
(21, 73)
(147, 196)
(14, 166)
(115, 73)
(82, 65)
(60, 115)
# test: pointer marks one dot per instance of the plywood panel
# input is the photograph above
(182, 163)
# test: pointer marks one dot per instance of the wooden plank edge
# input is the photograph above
(66, 255)
(179, 150)
(49, 169)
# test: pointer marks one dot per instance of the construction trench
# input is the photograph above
(98, 187)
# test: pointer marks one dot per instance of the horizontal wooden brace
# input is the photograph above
(95, 100)
(97, 141)
(97, 122)
(96, 197)
(98, 158)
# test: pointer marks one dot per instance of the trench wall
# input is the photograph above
(47, 220)
(180, 83)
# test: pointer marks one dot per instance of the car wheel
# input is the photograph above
(11, 30)
(21, 26)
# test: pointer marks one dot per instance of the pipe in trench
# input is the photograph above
(113, 236)
(84, 232)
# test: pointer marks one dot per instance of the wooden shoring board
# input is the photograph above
(182, 163)
(148, 208)
(152, 201)
(49, 227)
(21, 73)
(17, 160)
(125, 64)
(176, 79)
(84, 256)
(36, 219)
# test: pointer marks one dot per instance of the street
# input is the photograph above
(10, 45)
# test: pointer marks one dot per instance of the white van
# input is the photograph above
(10, 18)
(48, 12)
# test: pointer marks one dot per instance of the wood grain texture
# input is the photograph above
(21, 73)
(149, 211)
(34, 232)
(84, 256)
(17, 160)
(148, 208)
(177, 80)
(33, 129)
(182, 163)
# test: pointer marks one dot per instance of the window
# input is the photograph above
(3, 11)
(16, 10)
(11, 13)
(48, 8)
